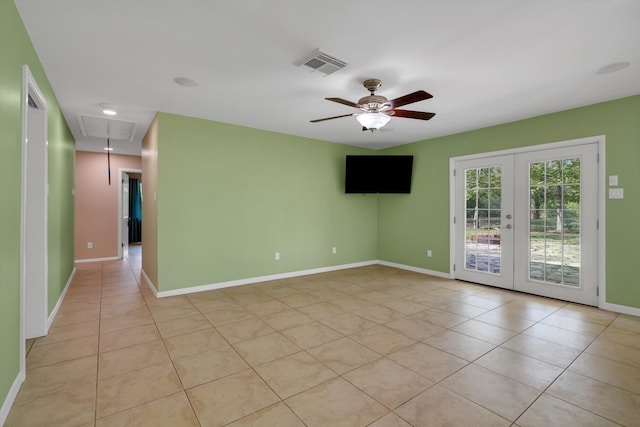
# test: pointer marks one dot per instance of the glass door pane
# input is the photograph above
(483, 195)
(554, 221)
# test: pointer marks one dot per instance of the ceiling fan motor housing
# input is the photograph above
(372, 102)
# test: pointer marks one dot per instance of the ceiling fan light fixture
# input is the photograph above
(373, 120)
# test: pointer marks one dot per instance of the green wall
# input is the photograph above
(15, 50)
(408, 226)
(229, 197)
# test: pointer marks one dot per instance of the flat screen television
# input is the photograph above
(378, 174)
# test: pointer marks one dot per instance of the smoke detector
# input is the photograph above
(321, 62)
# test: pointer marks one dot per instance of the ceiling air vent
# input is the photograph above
(322, 62)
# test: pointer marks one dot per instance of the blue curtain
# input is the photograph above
(135, 210)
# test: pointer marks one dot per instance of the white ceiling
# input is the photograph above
(485, 62)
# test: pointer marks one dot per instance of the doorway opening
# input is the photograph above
(129, 211)
(34, 251)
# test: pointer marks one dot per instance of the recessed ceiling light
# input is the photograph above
(185, 81)
(612, 68)
(108, 109)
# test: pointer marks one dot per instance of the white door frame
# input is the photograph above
(598, 139)
(34, 214)
(505, 278)
(120, 207)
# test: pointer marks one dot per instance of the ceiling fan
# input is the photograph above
(377, 110)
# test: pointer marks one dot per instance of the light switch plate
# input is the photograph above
(613, 180)
(616, 193)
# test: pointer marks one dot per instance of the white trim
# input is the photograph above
(416, 269)
(111, 258)
(30, 87)
(607, 306)
(120, 171)
(530, 148)
(54, 312)
(602, 203)
(258, 279)
(149, 283)
(250, 280)
(452, 216)
(624, 309)
(596, 139)
(11, 397)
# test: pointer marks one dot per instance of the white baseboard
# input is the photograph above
(11, 397)
(633, 311)
(416, 269)
(250, 280)
(111, 258)
(624, 309)
(52, 316)
(220, 285)
(149, 283)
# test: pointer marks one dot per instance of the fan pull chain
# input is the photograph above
(109, 160)
(108, 155)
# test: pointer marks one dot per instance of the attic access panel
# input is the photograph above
(102, 127)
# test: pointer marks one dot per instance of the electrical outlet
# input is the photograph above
(429, 253)
(333, 250)
(89, 245)
(277, 257)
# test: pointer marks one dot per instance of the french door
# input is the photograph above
(528, 222)
(484, 221)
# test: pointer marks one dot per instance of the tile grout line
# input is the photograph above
(95, 408)
(300, 289)
(563, 372)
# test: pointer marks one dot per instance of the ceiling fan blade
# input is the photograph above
(344, 101)
(419, 95)
(331, 118)
(421, 115)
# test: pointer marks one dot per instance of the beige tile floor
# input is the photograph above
(372, 346)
